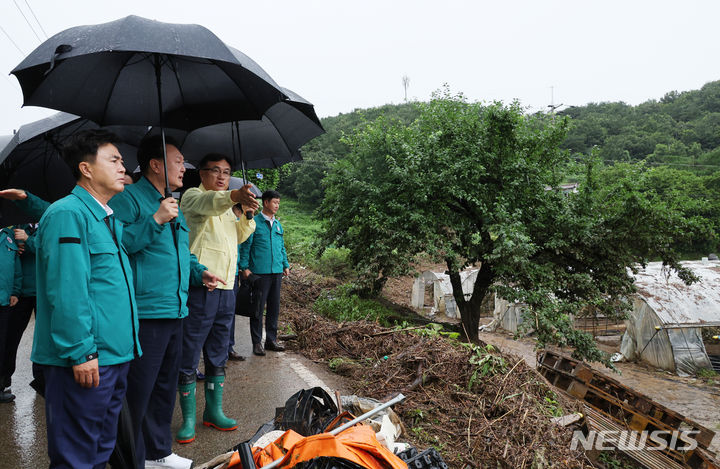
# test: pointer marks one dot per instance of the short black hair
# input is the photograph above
(83, 147)
(211, 158)
(269, 195)
(151, 148)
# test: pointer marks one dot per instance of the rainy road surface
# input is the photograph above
(253, 389)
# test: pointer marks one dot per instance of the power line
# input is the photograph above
(36, 18)
(13, 42)
(27, 21)
(12, 83)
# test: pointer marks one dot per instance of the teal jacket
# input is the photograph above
(162, 264)
(27, 259)
(85, 295)
(264, 251)
(10, 267)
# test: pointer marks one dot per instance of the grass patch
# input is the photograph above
(302, 230)
(707, 374)
(342, 304)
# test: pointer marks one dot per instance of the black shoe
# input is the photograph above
(6, 396)
(274, 346)
(258, 349)
(233, 355)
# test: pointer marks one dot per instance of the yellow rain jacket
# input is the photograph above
(215, 231)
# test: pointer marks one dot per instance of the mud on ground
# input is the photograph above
(480, 409)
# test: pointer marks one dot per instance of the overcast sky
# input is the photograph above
(343, 55)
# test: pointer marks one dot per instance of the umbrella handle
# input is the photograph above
(249, 214)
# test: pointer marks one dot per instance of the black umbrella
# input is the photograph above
(140, 71)
(267, 143)
(31, 159)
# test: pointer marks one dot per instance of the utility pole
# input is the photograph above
(406, 84)
(552, 104)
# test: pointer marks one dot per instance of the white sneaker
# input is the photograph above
(172, 461)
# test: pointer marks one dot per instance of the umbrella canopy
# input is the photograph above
(267, 143)
(31, 159)
(139, 71)
(238, 183)
(4, 140)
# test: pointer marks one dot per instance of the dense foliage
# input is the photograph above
(478, 185)
(681, 129)
(303, 180)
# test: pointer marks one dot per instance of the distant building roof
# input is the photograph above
(677, 304)
(570, 188)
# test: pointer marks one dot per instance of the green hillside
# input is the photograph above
(303, 180)
(681, 130)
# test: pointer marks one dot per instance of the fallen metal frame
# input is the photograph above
(612, 406)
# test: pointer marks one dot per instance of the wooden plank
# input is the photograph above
(612, 397)
(650, 459)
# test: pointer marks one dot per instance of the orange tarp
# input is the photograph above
(357, 444)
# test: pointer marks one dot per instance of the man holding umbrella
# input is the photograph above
(215, 233)
(86, 320)
(156, 238)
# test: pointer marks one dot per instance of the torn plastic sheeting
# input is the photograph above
(688, 350)
(356, 444)
(360, 405)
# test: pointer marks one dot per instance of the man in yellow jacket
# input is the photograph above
(215, 233)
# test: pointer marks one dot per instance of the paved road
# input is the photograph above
(254, 388)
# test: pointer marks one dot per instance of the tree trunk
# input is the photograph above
(470, 309)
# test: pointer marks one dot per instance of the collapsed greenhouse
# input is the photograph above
(669, 327)
(666, 324)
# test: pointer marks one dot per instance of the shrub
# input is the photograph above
(343, 304)
(335, 262)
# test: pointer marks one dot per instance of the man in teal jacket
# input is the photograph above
(18, 320)
(157, 240)
(10, 284)
(86, 319)
(264, 254)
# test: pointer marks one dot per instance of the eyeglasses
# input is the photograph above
(217, 171)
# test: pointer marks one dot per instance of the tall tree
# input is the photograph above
(480, 185)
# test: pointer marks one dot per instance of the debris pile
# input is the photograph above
(477, 406)
(311, 432)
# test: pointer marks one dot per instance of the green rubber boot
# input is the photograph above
(213, 415)
(186, 434)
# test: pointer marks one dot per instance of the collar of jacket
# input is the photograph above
(147, 188)
(95, 208)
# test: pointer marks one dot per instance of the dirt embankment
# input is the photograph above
(480, 408)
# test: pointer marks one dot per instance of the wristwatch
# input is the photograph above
(91, 356)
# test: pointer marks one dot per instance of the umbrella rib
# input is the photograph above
(287, 145)
(115, 79)
(221, 67)
(177, 79)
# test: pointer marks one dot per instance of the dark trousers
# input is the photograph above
(5, 314)
(267, 291)
(232, 326)
(82, 422)
(152, 386)
(207, 328)
(231, 343)
(14, 324)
